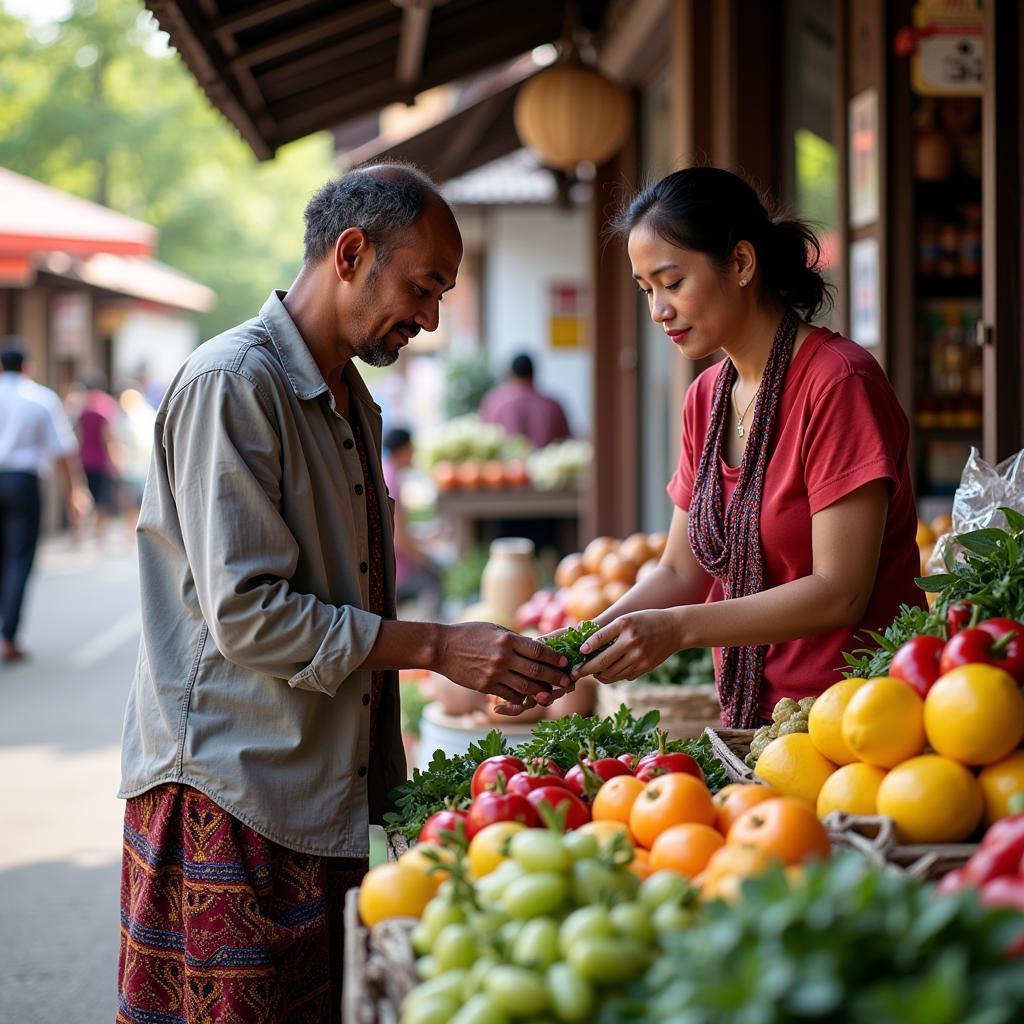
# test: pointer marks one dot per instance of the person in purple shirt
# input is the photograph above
(520, 408)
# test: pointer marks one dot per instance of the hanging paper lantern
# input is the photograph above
(571, 113)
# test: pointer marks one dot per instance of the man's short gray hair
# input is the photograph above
(382, 199)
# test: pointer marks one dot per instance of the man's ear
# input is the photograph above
(351, 248)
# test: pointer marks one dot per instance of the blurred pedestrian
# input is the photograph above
(520, 408)
(98, 447)
(263, 728)
(134, 433)
(32, 440)
(417, 576)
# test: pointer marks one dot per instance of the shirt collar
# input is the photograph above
(303, 374)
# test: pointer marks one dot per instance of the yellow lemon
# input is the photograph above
(853, 789)
(883, 723)
(825, 721)
(974, 714)
(794, 766)
(489, 847)
(392, 890)
(999, 783)
(932, 799)
(416, 858)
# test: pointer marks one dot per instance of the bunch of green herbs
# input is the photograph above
(571, 640)
(990, 575)
(847, 944)
(692, 667)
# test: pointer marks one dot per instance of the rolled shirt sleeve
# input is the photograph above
(224, 464)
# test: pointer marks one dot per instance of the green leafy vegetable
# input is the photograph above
(570, 642)
(851, 944)
(991, 576)
(692, 667)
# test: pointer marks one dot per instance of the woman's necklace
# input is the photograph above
(740, 419)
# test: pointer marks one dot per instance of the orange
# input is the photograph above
(794, 766)
(685, 849)
(604, 831)
(668, 800)
(392, 890)
(785, 828)
(615, 798)
(883, 723)
(640, 865)
(853, 789)
(931, 799)
(727, 868)
(999, 783)
(974, 714)
(925, 534)
(825, 721)
(732, 800)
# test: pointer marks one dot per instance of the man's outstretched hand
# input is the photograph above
(493, 660)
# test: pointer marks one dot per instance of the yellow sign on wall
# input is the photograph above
(565, 321)
(948, 55)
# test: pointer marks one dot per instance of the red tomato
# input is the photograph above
(653, 765)
(958, 617)
(917, 662)
(627, 759)
(489, 807)
(557, 797)
(441, 821)
(585, 785)
(998, 642)
(545, 763)
(524, 783)
(953, 882)
(486, 775)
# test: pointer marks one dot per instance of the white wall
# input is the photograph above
(158, 341)
(526, 250)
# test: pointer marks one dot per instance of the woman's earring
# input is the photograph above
(743, 284)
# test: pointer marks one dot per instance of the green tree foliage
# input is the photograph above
(97, 104)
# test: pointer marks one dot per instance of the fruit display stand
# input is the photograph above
(686, 711)
(378, 967)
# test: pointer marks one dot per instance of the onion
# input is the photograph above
(656, 542)
(569, 570)
(646, 569)
(596, 550)
(636, 548)
(615, 568)
(614, 590)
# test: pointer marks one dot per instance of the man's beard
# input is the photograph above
(376, 353)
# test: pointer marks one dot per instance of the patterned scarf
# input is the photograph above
(729, 546)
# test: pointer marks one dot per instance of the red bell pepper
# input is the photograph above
(439, 822)
(1007, 891)
(917, 662)
(496, 805)
(998, 642)
(660, 762)
(959, 616)
(995, 861)
(563, 803)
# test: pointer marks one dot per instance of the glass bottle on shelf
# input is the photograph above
(970, 242)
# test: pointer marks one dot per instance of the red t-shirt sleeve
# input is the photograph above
(680, 487)
(855, 434)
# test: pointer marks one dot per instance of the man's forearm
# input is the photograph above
(406, 645)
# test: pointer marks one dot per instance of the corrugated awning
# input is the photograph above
(281, 69)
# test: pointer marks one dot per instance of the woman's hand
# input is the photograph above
(639, 642)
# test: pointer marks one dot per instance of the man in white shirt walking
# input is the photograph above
(32, 440)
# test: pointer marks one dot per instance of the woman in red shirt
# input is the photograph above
(794, 527)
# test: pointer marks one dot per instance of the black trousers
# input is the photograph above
(20, 515)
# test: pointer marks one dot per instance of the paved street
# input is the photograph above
(60, 723)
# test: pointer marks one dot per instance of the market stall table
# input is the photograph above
(473, 513)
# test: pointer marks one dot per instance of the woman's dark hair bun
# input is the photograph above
(709, 210)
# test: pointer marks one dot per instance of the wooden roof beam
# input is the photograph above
(412, 43)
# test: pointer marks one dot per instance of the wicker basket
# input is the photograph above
(731, 746)
(874, 837)
(379, 970)
(686, 711)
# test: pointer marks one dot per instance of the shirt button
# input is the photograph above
(359, 488)
(362, 771)
(363, 567)
(366, 699)
(349, 443)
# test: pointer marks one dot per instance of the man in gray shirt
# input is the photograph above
(262, 733)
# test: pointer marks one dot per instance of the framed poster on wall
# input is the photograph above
(865, 293)
(864, 182)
